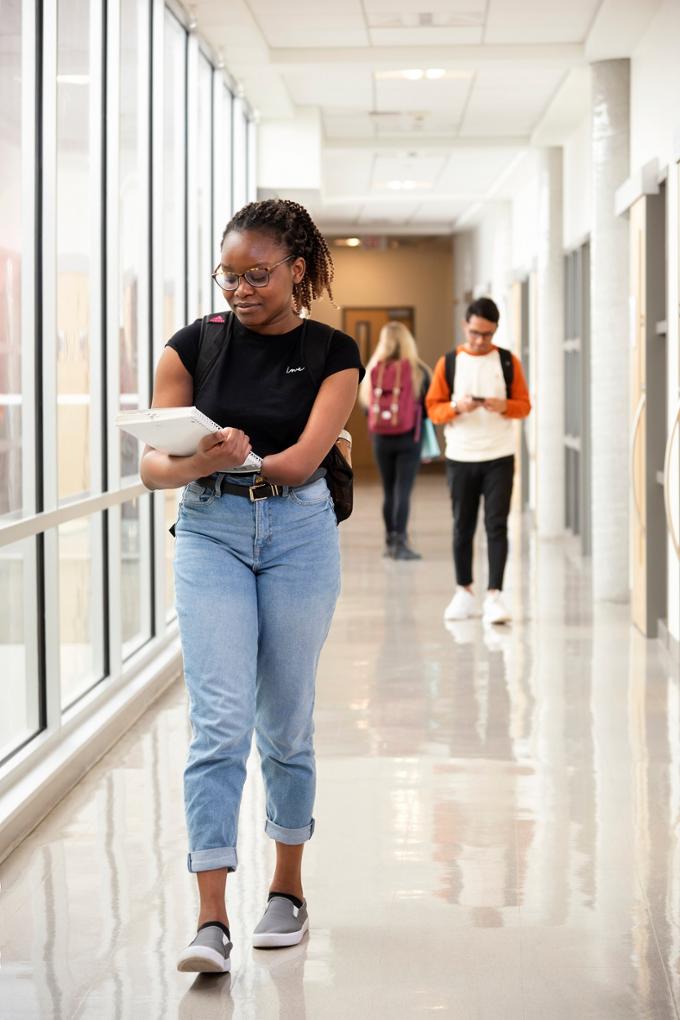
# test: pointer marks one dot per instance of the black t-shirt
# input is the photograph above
(261, 384)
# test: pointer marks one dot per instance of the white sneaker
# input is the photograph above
(495, 610)
(461, 606)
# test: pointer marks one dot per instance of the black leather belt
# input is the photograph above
(260, 489)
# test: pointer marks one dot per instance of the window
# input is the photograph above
(131, 226)
(222, 191)
(20, 716)
(173, 261)
(78, 189)
(79, 554)
(15, 266)
(240, 155)
(207, 256)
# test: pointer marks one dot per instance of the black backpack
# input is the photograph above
(215, 336)
(507, 366)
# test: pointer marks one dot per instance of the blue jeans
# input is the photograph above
(256, 587)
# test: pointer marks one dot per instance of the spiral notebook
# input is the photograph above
(175, 430)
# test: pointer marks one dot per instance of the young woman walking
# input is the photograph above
(397, 443)
(257, 567)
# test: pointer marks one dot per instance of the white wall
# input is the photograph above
(655, 88)
(289, 152)
(577, 185)
(655, 131)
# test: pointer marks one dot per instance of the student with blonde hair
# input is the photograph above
(393, 392)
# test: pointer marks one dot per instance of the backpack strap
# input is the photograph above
(215, 336)
(450, 369)
(508, 366)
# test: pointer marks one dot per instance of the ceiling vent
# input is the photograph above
(426, 19)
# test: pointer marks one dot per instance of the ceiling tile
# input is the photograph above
(348, 125)
(425, 36)
(347, 173)
(387, 212)
(509, 101)
(550, 21)
(340, 87)
(439, 213)
(474, 171)
(425, 171)
(307, 23)
(446, 95)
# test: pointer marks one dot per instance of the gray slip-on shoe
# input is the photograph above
(209, 953)
(283, 923)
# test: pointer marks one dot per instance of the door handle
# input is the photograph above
(633, 442)
(675, 430)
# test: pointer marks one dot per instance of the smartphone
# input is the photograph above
(479, 400)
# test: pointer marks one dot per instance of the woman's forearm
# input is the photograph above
(162, 471)
(292, 466)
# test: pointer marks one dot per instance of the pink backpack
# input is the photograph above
(393, 409)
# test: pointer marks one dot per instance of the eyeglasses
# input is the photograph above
(481, 336)
(256, 277)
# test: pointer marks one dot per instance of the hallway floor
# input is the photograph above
(498, 823)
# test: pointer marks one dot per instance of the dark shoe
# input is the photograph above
(403, 551)
(390, 545)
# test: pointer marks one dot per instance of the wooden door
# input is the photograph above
(364, 324)
(638, 545)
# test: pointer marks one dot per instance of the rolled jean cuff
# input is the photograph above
(290, 836)
(211, 860)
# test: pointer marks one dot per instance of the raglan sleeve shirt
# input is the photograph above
(438, 399)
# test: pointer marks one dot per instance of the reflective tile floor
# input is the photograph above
(498, 823)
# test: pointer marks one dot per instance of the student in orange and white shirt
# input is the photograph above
(489, 390)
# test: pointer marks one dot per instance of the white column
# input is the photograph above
(549, 395)
(609, 363)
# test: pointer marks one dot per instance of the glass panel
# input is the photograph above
(173, 260)
(223, 174)
(19, 702)
(252, 161)
(131, 222)
(207, 258)
(135, 573)
(74, 248)
(11, 262)
(81, 606)
(240, 156)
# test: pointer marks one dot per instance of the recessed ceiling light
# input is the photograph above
(348, 242)
(406, 185)
(430, 74)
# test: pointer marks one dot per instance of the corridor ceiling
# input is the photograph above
(426, 108)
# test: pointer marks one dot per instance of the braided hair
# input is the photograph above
(293, 227)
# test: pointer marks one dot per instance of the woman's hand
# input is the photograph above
(223, 450)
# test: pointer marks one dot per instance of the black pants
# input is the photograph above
(468, 482)
(398, 459)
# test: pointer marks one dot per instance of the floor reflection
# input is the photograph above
(498, 823)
